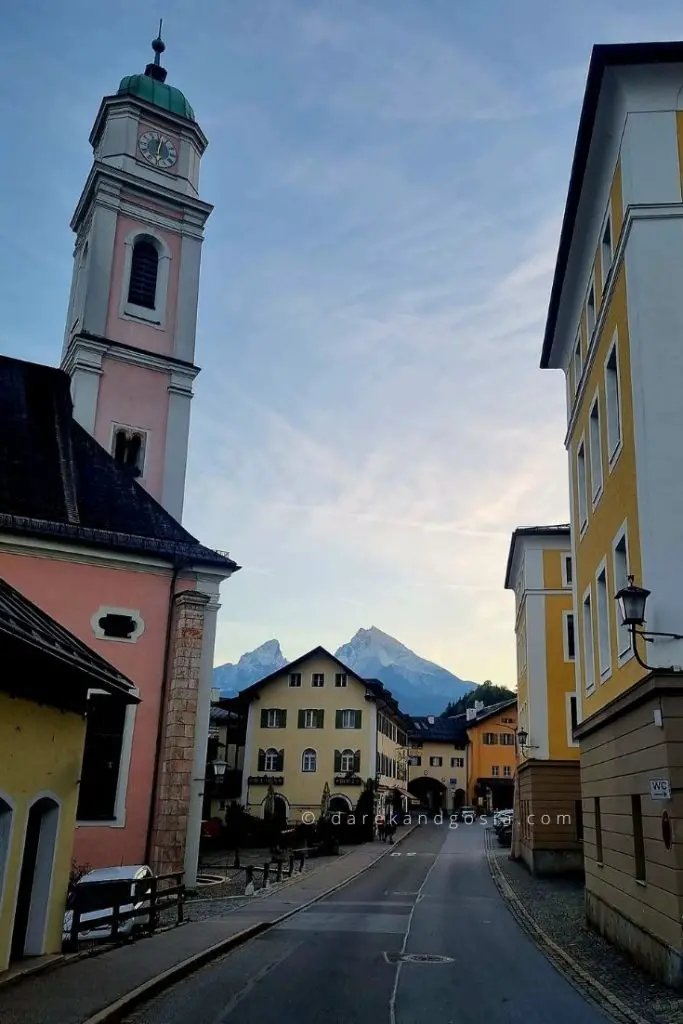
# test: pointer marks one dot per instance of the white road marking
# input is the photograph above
(411, 855)
(392, 1001)
(396, 855)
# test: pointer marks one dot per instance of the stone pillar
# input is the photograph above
(179, 719)
(198, 778)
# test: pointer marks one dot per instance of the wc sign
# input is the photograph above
(660, 789)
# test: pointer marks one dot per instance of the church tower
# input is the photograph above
(129, 344)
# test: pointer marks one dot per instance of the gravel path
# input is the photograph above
(557, 907)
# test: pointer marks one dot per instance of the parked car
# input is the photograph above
(505, 835)
(466, 813)
(501, 819)
(97, 893)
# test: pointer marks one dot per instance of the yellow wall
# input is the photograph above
(618, 501)
(484, 756)
(41, 752)
(445, 772)
(394, 747)
(304, 790)
(560, 674)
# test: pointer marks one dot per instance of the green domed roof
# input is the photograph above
(161, 95)
(152, 87)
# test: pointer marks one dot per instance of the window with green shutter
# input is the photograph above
(348, 719)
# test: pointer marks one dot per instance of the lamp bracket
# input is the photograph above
(647, 635)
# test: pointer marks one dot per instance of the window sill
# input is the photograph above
(584, 528)
(597, 496)
(605, 675)
(101, 823)
(625, 657)
(140, 314)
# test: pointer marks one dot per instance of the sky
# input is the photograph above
(388, 177)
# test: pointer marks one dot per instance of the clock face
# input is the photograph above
(158, 149)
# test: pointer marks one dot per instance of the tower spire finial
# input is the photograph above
(155, 70)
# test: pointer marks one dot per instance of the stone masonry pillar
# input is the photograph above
(179, 720)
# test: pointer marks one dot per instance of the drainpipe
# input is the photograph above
(177, 566)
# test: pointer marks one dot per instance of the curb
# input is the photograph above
(577, 975)
(113, 1013)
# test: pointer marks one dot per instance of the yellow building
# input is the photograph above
(548, 812)
(43, 700)
(491, 762)
(315, 722)
(437, 764)
(614, 327)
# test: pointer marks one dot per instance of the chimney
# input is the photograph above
(430, 719)
(478, 705)
(471, 714)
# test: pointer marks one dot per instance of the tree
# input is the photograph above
(488, 693)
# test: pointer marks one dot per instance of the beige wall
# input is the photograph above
(618, 760)
(303, 790)
(547, 818)
(445, 771)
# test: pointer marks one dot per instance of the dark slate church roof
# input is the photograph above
(439, 730)
(57, 481)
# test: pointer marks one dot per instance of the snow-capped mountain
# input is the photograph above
(251, 667)
(420, 686)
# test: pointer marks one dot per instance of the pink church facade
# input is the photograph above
(91, 494)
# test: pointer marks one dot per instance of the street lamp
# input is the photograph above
(219, 768)
(522, 737)
(632, 601)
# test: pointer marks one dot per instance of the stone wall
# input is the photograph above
(169, 827)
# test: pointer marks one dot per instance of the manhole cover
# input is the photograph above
(417, 958)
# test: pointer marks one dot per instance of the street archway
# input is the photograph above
(431, 793)
(459, 798)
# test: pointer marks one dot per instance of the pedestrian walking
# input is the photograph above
(381, 827)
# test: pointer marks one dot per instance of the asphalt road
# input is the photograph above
(336, 960)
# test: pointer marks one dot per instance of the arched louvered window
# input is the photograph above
(128, 448)
(144, 269)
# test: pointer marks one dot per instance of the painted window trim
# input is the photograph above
(596, 493)
(569, 696)
(623, 657)
(615, 452)
(309, 771)
(347, 750)
(131, 311)
(138, 430)
(591, 334)
(588, 593)
(576, 351)
(583, 522)
(565, 636)
(270, 750)
(605, 673)
(119, 819)
(132, 613)
(607, 221)
(564, 556)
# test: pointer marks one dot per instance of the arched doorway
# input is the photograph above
(340, 805)
(35, 879)
(280, 811)
(431, 793)
(459, 798)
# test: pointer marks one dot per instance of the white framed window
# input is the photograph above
(620, 563)
(613, 402)
(347, 760)
(567, 567)
(582, 484)
(348, 719)
(602, 602)
(591, 312)
(312, 718)
(606, 249)
(495, 770)
(572, 719)
(435, 762)
(507, 771)
(340, 679)
(568, 635)
(595, 444)
(318, 679)
(309, 760)
(128, 446)
(577, 362)
(588, 646)
(295, 679)
(457, 762)
(125, 625)
(146, 272)
(272, 760)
